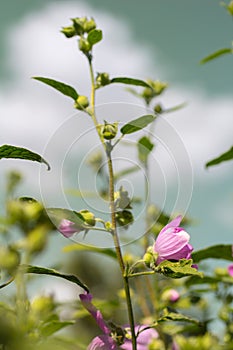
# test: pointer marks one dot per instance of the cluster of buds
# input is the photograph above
(157, 87)
(86, 30)
(122, 204)
(109, 131)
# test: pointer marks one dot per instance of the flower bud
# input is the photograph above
(124, 218)
(9, 259)
(170, 295)
(102, 79)
(158, 109)
(89, 25)
(89, 217)
(84, 45)
(109, 131)
(42, 305)
(81, 102)
(79, 24)
(150, 257)
(121, 199)
(69, 32)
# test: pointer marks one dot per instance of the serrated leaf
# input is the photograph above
(220, 251)
(179, 269)
(46, 271)
(58, 214)
(216, 54)
(14, 152)
(137, 124)
(222, 158)
(65, 89)
(94, 36)
(173, 316)
(145, 146)
(88, 248)
(130, 81)
(54, 326)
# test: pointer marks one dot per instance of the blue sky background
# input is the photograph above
(163, 39)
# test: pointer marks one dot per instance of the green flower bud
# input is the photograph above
(230, 7)
(36, 240)
(124, 218)
(108, 225)
(42, 305)
(88, 217)
(81, 102)
(158, 108)
(79, 24)
(9, 259)
(84, 45)
(109, 131)
(69, 32)
(102, 79)
(122, 199)
(150, 257)
(89, 25)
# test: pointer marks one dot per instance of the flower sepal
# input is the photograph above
(178, 269)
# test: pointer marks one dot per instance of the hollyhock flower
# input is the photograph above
(105, 341)
(172, 242)
(68, 228)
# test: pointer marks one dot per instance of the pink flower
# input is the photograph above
(170, 295)
(68, 228)
(230, 270)
(144, 338)
(105, 341)
(172, 242)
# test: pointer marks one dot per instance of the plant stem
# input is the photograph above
(112, 211)
(118, 252)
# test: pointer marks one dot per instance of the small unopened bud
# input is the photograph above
(124, 218)
(81, 102)
(69, 32)
(89, 25)
(150, 257)
(170, 295)
(158, 108)
(79, 24)
(109, 131)
(102, 79)
(89, 217)
(84, 45)
(9, 259)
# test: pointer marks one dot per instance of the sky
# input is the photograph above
(163, 39)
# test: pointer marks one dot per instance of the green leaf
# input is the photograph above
(173, 316)
(208, 280)
(127, 171)
(145, 146)
(14, 152)
(45, 271)
(62, 87)
(222, 158)
(94, 36)
(89, 248)
(130, 81)
(54, 326)
(137, 124)
(181, 268)
(216, 54)
(220, 251)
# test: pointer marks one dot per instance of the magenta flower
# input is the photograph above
(68, 228)
(230, 270)
(172, 242)
(170, 295)
(105, 341)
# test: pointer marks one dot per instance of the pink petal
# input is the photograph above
(174, 223)
(230, 270)
(171, 242)
(102, 342)
(86, 300)
(144, 338)
(67, 228)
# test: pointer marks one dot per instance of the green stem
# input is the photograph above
(112, 210)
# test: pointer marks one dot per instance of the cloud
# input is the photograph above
(36, 115)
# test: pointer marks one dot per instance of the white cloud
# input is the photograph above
(33, 112)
